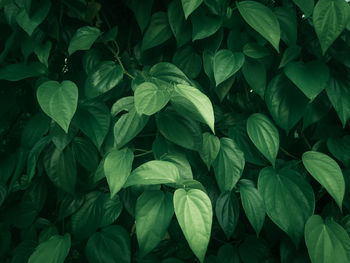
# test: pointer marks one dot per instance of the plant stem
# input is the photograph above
(288, 154)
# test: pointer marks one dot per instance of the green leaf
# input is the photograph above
(61, 168)
(169, 73)
(311, 78)
(59, 101)
(142, 11)
(330, 18)
(43, 52)
(179, 129)
(253, 204)
(287, 19)
(326, 240)
(262, 20)
(112, 208)
(190, 5)
(157, 32)
(191, 102)
(264, 135)
(228, 165)
(15, 72)
(340, 148)
(210, 149)
(179, 26)
(181, 162)
(83, 39)
(306, 6)
(254, 73)
(288, 198)
(85, 153)
(227, 212)
(194, 213)
(289, 55)
(188, 60)
(93, 119)
(286, 103)
(117, 167)
(105, 77)
(255, 50)
(225, 64)
(228, 254)
(320, 166)
(150, 98)
(154, 172)
(112, 244)
(204, 24)
(128, 126)
(260, 248)
(154, 210)
(54, 250)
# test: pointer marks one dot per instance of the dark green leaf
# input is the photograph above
(83, 39)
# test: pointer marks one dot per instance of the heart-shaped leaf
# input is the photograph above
(225, 64)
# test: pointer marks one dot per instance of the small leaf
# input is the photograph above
(321, 166)
(264, 135)
(227, 212)
(291, 53)
(306, 6)
(194, 213)
(204, 24)
(190, 5)
(58, 101)
(83, 39)
(117, 167)
(210, 149)
(225, 64)
(262, 20)
(326, 241)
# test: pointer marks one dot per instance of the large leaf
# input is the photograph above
(264, 135)
(154, 210)
(228, 165)
(261, 19)
(330, 18)
(327, 172)
(191, 102)
(288, 198)
(154, 172)
(83, 39)
(326, 240)
(190, 5)
(194, 213)
(210, 148)
(253, 204)
(225, 64)
(54, 250)
(227, 212)
(117, 167)
(59, 101)
(112, 244)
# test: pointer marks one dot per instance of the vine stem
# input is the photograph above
(142, 154)
(116, 56)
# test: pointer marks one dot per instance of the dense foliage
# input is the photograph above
(175, 131)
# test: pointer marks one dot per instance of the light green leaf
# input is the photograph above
(83, 39)
(225, 64)
(117, 167)
(262, 20)
(154, 172)
(210, 149)
(154, 210)
(194, 213)
(19, 71)
(306, 6)
(288, 198)
(54, 250)
(311, 78)
(228, 165)
(330, 18)
(59, 101)
(105, 77)
(253, 204)
(112, 244)
(181, 162)
(150, 98)
(321, 166)
(157, 32)
(326, 240)
(190, 5)
(264, 135)
(227, 212)
(191, 102)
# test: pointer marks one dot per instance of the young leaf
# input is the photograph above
(326, 240)
(190, 5)
(59, 101)
(83, 39)
(262, 20)
(227, 212)
(194, 213)
(154, 172)
(330, 18)
(253, 204)
(225, 64)
(264, 135)
(288, 198)
(54, 250)
(321, 166)
(117, 167)
(154, 210)
(228, 165)
(210, 149)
